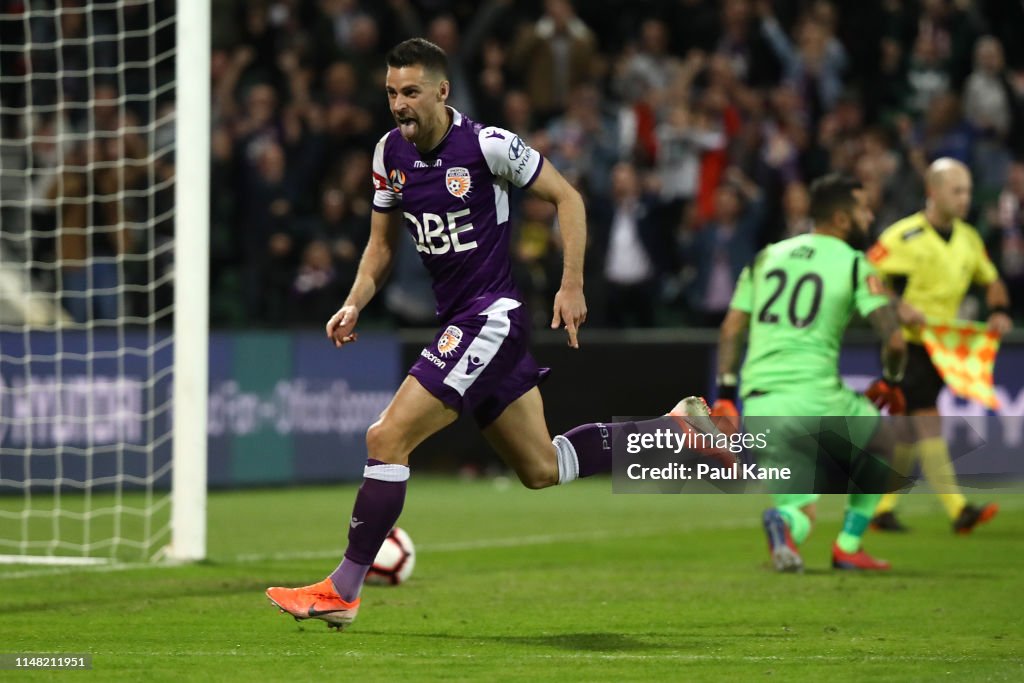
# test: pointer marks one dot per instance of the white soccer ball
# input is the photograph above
(395, 560)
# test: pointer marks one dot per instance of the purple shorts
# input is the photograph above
(480, 360)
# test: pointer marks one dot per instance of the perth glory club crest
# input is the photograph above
(458, 182)
(449, 341)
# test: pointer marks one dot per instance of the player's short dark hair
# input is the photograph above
(419, 51)
(831, 193)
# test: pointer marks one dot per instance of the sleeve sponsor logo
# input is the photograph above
(397, 178)
(875, 286)
(516, 148)
(379, 182)
(877, 253)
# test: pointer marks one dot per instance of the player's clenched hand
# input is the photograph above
(1000, 323)
(886, 395)
(571, 310)
(341, 326)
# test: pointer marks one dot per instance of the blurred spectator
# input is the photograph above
(1008, 238)
(681, 143)
(989, 101)
(720, 249)
(553, 56)
(345, 227)
(693, 24)
(814, 65)
(409, 297)
(517, 112)
(742, 44)
(899, 186)
(88, 240)
(583, 142)
(951, 27)
(725, 109)
(888, 93)
(944, 131)
(269, 246)
(347, 116)
(796, 204)
(461, 47)
(928, 74)
(627, 232)
(315, 288)
(648, 65)
(537, 257)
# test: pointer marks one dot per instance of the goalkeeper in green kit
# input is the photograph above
(794, 301)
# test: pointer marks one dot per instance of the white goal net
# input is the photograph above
(94, 260)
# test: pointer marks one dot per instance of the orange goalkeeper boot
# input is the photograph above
(319, 601)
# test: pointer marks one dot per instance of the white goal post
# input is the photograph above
(192, 286)
(104, 241)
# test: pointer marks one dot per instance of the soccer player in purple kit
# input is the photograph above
(448, 178)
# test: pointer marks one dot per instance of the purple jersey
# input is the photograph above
(455, 202)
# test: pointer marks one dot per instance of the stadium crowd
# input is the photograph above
(692, 128)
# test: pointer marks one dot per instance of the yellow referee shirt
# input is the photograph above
(938, 271)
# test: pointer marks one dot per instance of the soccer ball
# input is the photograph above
(395, 560)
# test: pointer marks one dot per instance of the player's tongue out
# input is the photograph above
(408, 125)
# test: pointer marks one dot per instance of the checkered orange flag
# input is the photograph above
(964, 353)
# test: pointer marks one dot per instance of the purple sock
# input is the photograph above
(593, 444)
(378, 505)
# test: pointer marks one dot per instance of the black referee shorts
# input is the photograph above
(921, 382)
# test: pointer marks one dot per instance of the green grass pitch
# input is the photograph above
(563, 584)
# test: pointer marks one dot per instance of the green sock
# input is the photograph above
(799, 524)
(859, 509)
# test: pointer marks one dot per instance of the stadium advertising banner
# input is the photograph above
(289, 407)
(283, 408)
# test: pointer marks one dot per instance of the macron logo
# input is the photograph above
(473, 363)
(495, 134)
(355, 522)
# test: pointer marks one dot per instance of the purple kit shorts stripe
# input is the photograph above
(480, 361)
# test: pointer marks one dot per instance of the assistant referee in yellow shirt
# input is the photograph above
(931, 259)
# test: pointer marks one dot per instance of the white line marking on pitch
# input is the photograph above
(454, 546)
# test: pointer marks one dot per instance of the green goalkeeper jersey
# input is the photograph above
(800, 294)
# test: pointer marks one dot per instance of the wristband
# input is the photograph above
(1005, 310)
(727, 386)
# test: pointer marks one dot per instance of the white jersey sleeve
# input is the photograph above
(384, 196)
(509, 157)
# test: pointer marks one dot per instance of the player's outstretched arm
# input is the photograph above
(997, 298)
(886, 323)
(886, 392)
(570, 308)
(374, 267)
(732, 337)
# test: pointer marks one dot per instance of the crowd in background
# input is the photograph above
(691, 127)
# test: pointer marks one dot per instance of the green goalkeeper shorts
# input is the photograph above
(822, 437)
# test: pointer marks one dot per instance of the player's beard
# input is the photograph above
(858, 239)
